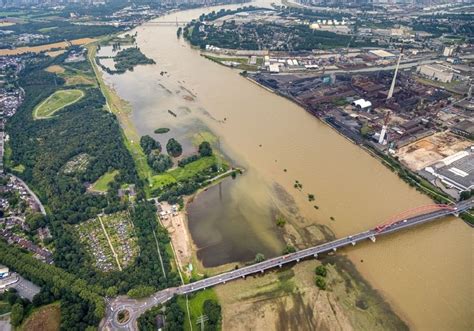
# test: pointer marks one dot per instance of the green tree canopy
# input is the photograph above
(205, 149)
(174, 148)
(148, 144)
(159, 162)
(17, 314)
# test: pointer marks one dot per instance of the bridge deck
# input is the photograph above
(314, 251)
(139, 306)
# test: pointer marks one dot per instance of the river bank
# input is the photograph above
(278, 143)
(288, 299)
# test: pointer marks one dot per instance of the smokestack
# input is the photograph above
(392, 87)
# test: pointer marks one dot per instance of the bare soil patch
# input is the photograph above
(175, 223)
(288, 299)
(429, 150)
(56, 69)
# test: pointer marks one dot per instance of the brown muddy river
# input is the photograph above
(426, 274)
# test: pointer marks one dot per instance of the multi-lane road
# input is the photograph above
(137, 307)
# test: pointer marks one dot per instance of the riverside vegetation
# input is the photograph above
(42, 148)
(85, 130)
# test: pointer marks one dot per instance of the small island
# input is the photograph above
(125, 60)
(129, 58)
(162, 130)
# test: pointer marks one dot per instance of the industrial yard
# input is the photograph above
(429, 150)
(398, 115)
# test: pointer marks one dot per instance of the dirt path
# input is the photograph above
(110, 244)
(159, 254)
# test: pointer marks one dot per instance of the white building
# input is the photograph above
(436, 72)
(448, 51)
(274, 67)
(362, 104)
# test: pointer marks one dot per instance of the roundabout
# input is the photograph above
(123, 316)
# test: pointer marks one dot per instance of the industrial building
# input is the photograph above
(436, 72)
(455, 171)
(362, 104)
(464, 128)
(382, 54)
(448, 51)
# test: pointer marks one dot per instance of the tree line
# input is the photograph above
(43, 147)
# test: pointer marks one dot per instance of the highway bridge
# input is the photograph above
(402, 221)
(175, 23)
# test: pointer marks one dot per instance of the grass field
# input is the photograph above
(243, 62)
(45, 30)
(102, 184)
(79, 80)
(161, 180)
(204, 136)
(46, 318)
(55, 102)
(182, 173)
(76, 76)
(196, 302)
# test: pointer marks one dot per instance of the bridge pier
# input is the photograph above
(262, 271)
(279, 265)
(315, 255)
(297, 260)
(334, 249)
(372, 238)
(353, 243)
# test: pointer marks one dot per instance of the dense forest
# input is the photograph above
(60, 282)
(172, 316)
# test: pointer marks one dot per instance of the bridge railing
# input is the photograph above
(411, 213)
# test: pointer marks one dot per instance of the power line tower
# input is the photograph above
(201, 320)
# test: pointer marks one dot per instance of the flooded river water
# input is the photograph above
(425, 274)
